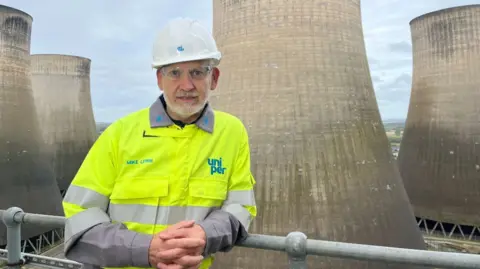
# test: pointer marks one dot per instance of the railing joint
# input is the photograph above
(9, 216)
(296, 248)
(14, 258)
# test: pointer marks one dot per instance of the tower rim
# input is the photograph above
(16, 10)
(441, 11)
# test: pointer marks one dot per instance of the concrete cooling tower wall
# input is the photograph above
(439, 157)
(26, 179)
(296, 73)
(61, 90)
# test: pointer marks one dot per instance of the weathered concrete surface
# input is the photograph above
(61, 90)
(439, 158)
(26, 179)
(296, 73)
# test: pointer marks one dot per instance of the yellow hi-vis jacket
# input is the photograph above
(146, 173)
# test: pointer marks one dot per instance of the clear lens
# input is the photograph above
(176, 73)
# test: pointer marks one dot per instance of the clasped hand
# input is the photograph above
(180, 246)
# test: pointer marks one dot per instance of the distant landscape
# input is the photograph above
(101, 126)
(393, 127)
(394, 132)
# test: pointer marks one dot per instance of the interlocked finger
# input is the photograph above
(184, 243)
(177, 266)
(171, 254)
(169, 266)
(189, 261)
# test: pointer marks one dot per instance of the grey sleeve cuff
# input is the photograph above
(111, 245)
(82, 222)
(139, 250)
(223, 231)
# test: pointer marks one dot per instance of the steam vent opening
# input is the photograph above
(439, 158)
(27, 179)
(67, 127)
(296, 74)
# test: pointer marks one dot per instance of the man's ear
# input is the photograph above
(159, 78)
(215, 76)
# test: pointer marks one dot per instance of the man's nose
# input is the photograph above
(186, 83)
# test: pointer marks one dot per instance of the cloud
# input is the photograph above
(402, 46)
(397, 90)
(117, 35)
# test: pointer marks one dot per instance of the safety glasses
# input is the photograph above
(177, 73)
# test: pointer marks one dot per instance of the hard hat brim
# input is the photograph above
(215, 57)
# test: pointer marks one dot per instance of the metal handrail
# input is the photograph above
(295, 244)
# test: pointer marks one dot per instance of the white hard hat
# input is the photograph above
(182, 40)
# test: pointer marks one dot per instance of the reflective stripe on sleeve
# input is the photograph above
(85, 198)
(245, 197)
(168, 215)
(77, 224)
(163, 215)
(240, 212)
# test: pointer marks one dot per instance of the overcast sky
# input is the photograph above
(117, 35)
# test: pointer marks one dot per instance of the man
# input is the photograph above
(170, 185)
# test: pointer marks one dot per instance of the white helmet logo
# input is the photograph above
(180, 48)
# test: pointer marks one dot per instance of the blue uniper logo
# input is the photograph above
(180, 48)
(216, 166)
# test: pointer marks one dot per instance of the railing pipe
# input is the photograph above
(39, 219)
(405, 256)
(295, 244)
(354, 251)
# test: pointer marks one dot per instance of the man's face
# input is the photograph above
(186, 87)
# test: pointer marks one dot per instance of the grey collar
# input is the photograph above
(160, 118)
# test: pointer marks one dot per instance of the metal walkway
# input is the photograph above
(295, 244)
(56, 252)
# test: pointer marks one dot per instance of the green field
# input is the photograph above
(394, 131)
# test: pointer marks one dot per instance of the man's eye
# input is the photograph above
(174, 73)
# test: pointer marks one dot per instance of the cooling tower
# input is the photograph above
(26, 179)
(61, 90)
(296, 73)
(439, 158)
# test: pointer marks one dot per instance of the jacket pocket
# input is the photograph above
(135, 200)
(140, 188)
(207, 192)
